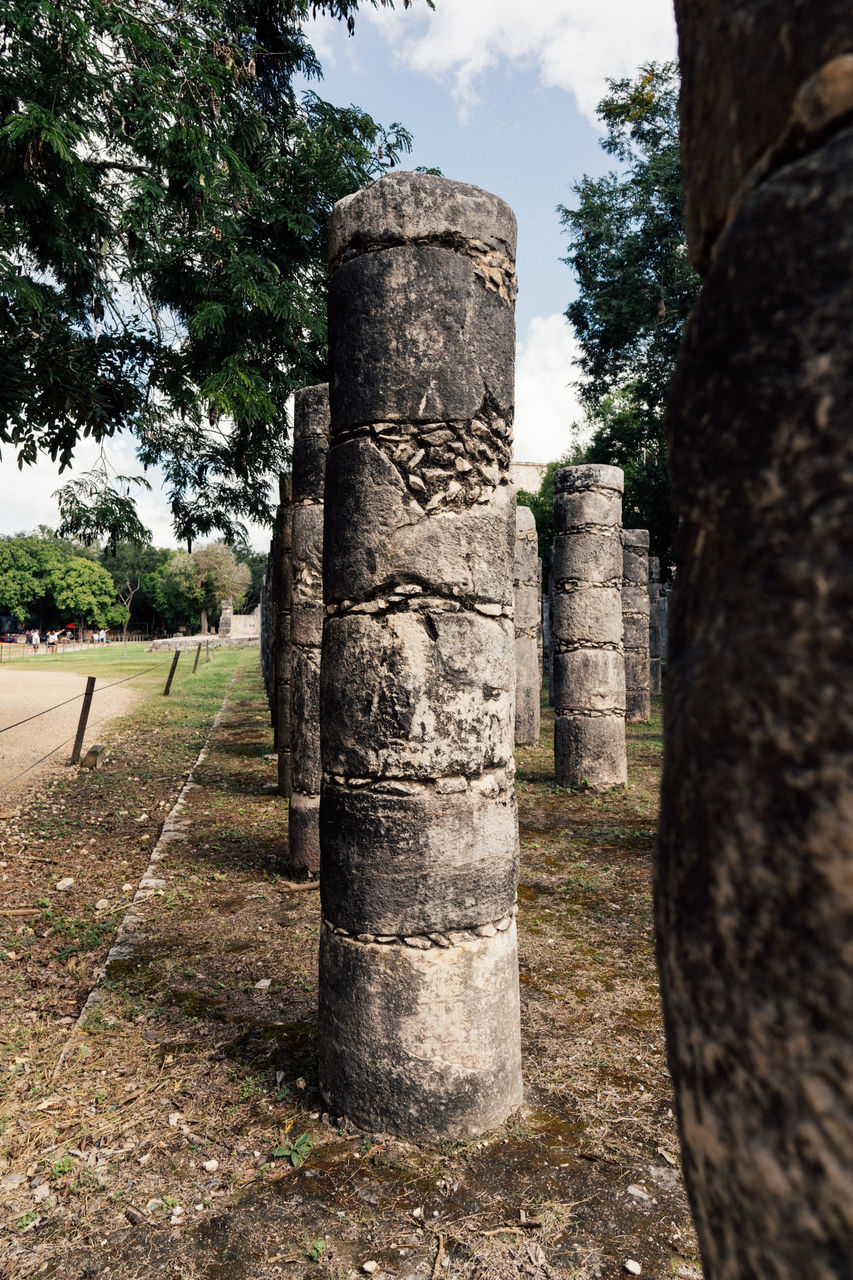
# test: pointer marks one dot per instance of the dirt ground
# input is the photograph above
(177, 1131)
(25, 693)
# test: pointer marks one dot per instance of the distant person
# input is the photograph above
(35, 641)
(102, 636)
(52, 640)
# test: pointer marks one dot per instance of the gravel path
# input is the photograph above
(22, 694)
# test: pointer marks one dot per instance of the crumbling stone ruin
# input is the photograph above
(586, 637)
(275, 633)
(282, 642)
(310, 445)
(635, 622)
(654, 625)
(754, 892)
(419, 1003)
(527, 592)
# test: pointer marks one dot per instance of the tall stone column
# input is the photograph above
(550, 608)
(419, 1005)
(310, 446)
(540, 636)
(635, 621)
(654, 625)
(283, 596)
(754, 885)
(527, 596)
(586, 637)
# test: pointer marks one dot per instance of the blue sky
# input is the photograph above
(495, 93)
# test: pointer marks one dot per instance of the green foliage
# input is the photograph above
(295, 1151)
(99, 503)
(210, 575)
(84, 590)
(623, 439)
(627, 247)
(162, 249)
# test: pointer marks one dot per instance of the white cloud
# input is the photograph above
(574, 44)
(546, 401)
(28, 501)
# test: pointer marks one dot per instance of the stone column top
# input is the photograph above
(637, 538)
(409, 208)
(591, 476)
(312, 404)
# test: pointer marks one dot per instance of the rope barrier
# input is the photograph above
(4, 786)
(112, 685)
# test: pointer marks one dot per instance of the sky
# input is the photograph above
(496, 93)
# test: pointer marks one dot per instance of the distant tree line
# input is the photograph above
(50, 581)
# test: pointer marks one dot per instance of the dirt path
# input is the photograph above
(23, 694)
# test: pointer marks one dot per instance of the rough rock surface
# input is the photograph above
(754, 892)
(527, 591)
(419, 1005)
(310, 446)
(586, 637)
(654, 625)
(635, 623)
(762, 81)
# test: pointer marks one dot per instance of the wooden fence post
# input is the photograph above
(84, 717)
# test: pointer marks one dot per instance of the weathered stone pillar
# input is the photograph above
(225, 619)
(754, 885)
(550, 608)
(586, 637)
(635, 621)
(419, 1006)
(654, 625)
(310, 446)
(527, 595)
(540, 636)
(283, 592)
(663, 623)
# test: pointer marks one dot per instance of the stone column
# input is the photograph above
(419, 1005)
(754, 884)
(283, 596)
(225, 617)
(654, 625)
(663, 623)
(540, 635)
(527, 597)
(586, 637)
(635, 621)
(310, 446)
(549, 605)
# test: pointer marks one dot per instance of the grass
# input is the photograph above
(184, 1063)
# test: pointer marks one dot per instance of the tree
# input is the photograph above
(85, 590)
(162, 252)
(627, 247)
(46, 579)
(209, 576)
(131, 567)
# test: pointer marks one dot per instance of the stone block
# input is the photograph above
(417, 694)
(589, 616)
(419, 863)
(411, 309)
(589, 752)
(408, 1037)
(591, 680)
(382, 537)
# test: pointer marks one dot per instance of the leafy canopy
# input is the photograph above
(46, 580)
(627, 248)
(162, 241)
